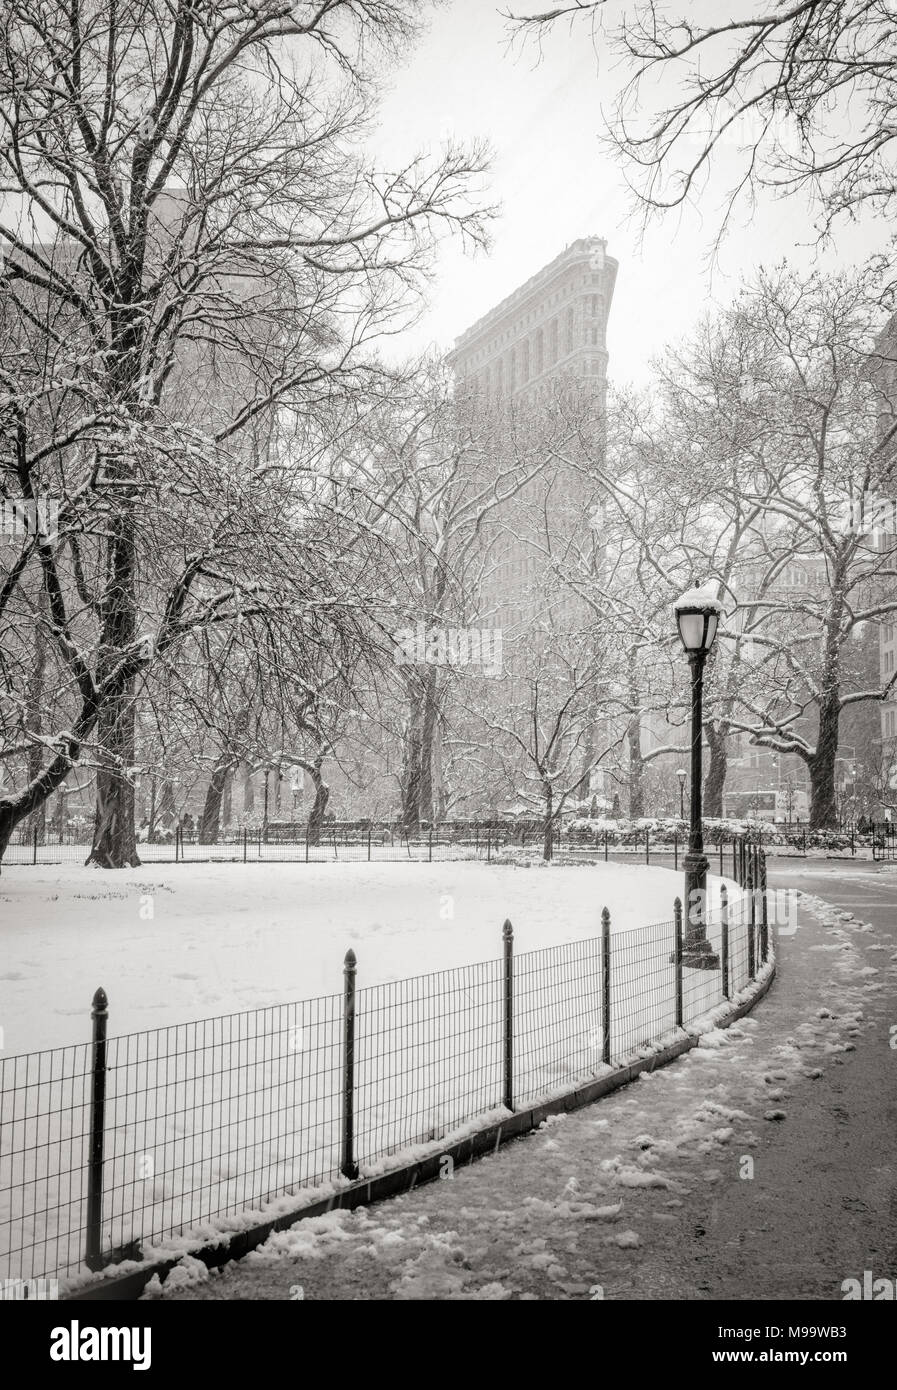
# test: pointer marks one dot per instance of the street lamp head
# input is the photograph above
(697, 617)
(681, 773)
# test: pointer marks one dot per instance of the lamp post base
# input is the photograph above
(697, 952)
(699, 955)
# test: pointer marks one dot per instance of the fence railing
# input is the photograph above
(449, 840)
(110, 1147)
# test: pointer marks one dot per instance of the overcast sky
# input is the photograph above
(555, 185)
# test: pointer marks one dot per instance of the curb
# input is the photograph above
(130, 1284)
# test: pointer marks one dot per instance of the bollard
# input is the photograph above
(99, 1013)
(348, 1166)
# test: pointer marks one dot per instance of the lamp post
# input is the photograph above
(681, 774)
(697, 618)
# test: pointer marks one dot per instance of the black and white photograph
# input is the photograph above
(448, 673)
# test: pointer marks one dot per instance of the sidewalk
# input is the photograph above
(761, 1165)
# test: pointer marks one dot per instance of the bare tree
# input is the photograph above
(193, 243)
(801, 93)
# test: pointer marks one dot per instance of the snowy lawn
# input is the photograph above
(174, 943)
(212, 1109)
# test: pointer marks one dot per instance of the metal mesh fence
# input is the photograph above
(429, 1056)
(206, 1120)
(44, 1134)
(558, 1018)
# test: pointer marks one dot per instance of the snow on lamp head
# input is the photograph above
(697, 617)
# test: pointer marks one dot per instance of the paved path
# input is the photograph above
(760, 1166)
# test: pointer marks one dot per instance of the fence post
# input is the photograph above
(752, 917)
(764, 919)
(605, 981)
(306, 842)
(735, 860)
(370, 829)
(34, 844)
(245, 837)
(677, 922)
(430, 847)
(99, 1012)
(605, 846)
(647, 845)
(852, 848)
(348, 1166)
(507, 936)
(675, 850)
(805, 839)
(724, 938)
(489, 845)
(721, 857)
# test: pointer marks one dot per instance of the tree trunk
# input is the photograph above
(636, 768)
(716, 734)
(411, 772)
(210, 820)
(823, 804)
(114, 840)
(548, 837)
(319, 806)
(34, 721)
(428, 745)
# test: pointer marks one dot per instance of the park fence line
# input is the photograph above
(110, 1147)
(370, 841)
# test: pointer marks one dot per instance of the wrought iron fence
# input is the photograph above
(110, 1147)
(447, 840)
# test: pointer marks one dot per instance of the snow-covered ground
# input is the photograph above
(231, 1095)
(732, 1174)
(173, 943)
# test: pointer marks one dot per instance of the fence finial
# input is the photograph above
(605, 917)
(507, 930)
(349, 960)
(100, 1003)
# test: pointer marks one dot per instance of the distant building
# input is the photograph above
(553, 325)
(884, 377)
(552, 329)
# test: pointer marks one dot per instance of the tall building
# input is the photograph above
(550, 330)
(544, 344)
(553, 325)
